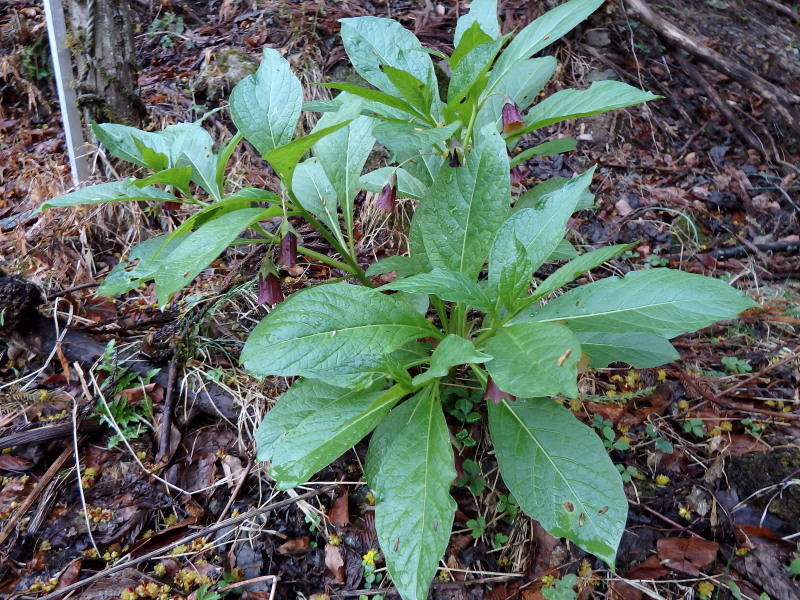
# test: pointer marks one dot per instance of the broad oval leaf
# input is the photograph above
(143, 263)
(559, 472)
(534, 359)
(639, 350)
(663, 302)
(546, 149)
(121, 141)
(316, 194)
(397, 137)
(343, 154)
(314, 423)
(447, 285)
(482, 12)
(199, 248)
(409, 469)
(114, 191)
(374, 41)
(538, 231)
(265, 106)
(465, 206)
(408, 186)
(522, 83)
(534, 196)
(453, 350)
(327, 325)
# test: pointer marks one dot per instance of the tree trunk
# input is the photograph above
(102, 41)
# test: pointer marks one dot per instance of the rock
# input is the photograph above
(224, 68)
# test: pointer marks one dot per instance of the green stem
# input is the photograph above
(470, 127)
(349, 258)
(331, 262)
(441, 311)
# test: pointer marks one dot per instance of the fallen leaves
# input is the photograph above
(686, 555)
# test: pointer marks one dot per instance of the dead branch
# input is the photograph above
(781, 8)
(779, 98)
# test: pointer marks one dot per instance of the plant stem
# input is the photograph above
(441, 312)
(331, 262)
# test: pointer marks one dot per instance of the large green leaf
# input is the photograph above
(284, 159)
(473, 36)
(602, 96)
(522, 83)
(539, 231)
(373, 41)
(454, 227)
(422, 163)
(314, 423)
(265, 106)
(471, 70)
(482, 12)
(416, 91)
(143, 263)
(533, 197)
(578, 266)
(453, 350)
(534, 359)
(448, 285)
(316, 194)
(409, 469)
(326, 325)
(343, 154)
(199, 248)
(639, 350)
(542, 32)
(408, 186)
(663, 302)
(191, 145)
(409, 136)
(121, 141)
(372, 96)
(400, 264)
(114, 191)
(558, 470)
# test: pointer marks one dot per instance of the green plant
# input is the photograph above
(606, 429)
(131, 418)
(478, 526)
(735, 365)
(472, 477)
(694, 426)
(363, 356)
(563, 589)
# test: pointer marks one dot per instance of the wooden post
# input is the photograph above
(62, 69)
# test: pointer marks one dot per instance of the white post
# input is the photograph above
(62, 68)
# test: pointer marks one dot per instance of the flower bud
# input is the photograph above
(456, 153)
(495, 394)
(388, 194)
(512, 118)
(288, 256)
(269, 289)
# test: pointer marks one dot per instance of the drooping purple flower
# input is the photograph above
(456, 153)
(269, 289)
(288, 255)
(512, 117)
(517, 175)
(495, 394)
(388, 195)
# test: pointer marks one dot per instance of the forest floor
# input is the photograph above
(709, 445)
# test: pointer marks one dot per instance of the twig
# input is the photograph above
(192, 536)
(68, 291)
(739, 251)
(236, 490)
(747, 135)
(666, 519)
(166, 414)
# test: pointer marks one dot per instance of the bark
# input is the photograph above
(102, 41)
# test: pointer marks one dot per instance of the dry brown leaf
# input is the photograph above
(340, 511)
(686, 555)
(623, 591)
(334, 561)
(651, 568)
(294, 545)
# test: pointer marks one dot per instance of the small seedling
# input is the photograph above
(661, 443)
(694, 426)
(478, 526)
(472, 477)
(735, 365)
(562, 589)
